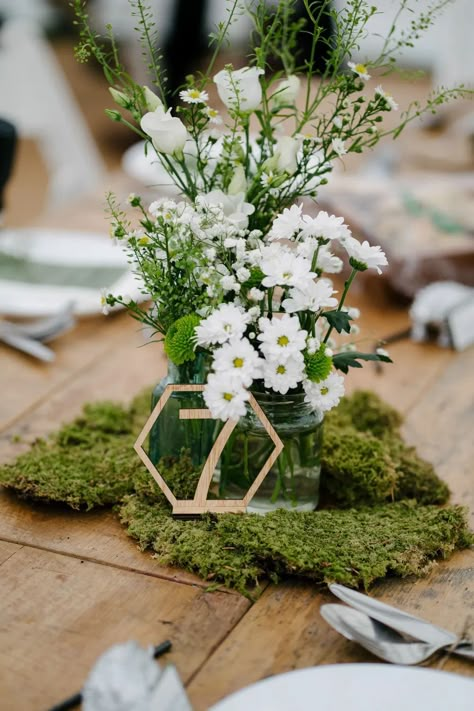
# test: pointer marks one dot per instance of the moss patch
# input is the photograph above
(91, 462)
(366, 468)
(353, 547)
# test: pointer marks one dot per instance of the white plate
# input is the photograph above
(49, 268)
(355, 687)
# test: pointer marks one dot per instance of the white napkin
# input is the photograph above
(127, 678)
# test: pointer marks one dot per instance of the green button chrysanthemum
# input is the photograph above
(318, 365)
(180, 339)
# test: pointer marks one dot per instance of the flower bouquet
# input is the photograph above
(238, 271)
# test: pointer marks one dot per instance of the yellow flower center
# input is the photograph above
(144, 240)
(228, 396)
(281, 370)
(194, 93)
(283, 340)
(238, 362)
(213, 113)
(287, 275)
(324, 391)
(361, 69)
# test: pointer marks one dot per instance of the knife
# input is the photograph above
(394, 618)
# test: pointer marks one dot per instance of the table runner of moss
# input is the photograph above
(380, 510)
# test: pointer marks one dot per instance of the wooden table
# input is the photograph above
(72, 584)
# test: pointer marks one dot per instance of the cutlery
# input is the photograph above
(27, 345)
(45, 329)
(376, 637)
(29, 337)
(403, 622)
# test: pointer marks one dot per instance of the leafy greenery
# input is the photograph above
(340, 320)
(276, 28)
(350, 359)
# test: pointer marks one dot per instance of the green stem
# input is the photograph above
(347, 286)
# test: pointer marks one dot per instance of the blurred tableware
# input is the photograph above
(48, 328)
(380, 640)
(398, 620)
(40, 269)
(354, 687)
(29, 337)
(34, 348)
(444, 310)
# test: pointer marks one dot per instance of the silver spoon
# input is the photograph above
(379, 639)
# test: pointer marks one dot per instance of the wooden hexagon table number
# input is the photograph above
(200, 503)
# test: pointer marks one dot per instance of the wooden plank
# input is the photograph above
(441, 426)
(59, 614)
(284, 631)
(25, 383)
(96, 536)
(118, 373)
(7, 550)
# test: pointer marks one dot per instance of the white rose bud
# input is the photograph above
(152, 101)
(287, 148)
(238, 184)
(168, 133)
(240, 89)
(287, 91)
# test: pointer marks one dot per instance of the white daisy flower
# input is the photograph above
(325, 395)
(225, 396)
(328, 262)
(360, 70)
(389, 100)
(286, 269)
(238, 359)
(223, 324)
(338, 146)
(194, 96)
(281, 337)
(325, 226)
(213, 115)
(313, 297)
(285, 225)
(364, 256)
(267, 178)
(103, 302)
(282, 375)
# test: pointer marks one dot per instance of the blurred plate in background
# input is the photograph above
(42, 269)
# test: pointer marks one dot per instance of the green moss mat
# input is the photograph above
(366, 468)
(351, 546)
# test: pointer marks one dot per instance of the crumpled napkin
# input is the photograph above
(127, 678)
(444, 309)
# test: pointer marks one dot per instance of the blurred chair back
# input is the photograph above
(36, 98)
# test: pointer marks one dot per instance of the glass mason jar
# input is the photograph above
(172, 436)
(293, 481)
